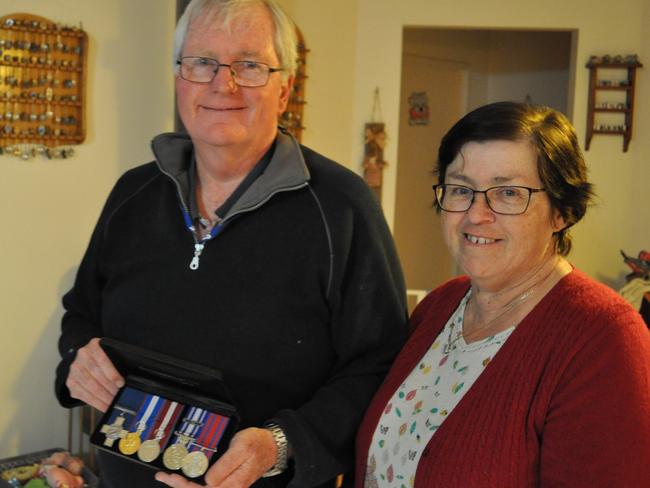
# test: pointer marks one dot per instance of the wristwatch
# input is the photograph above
(282, 444)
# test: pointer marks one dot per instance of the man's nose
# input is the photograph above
(224, 80)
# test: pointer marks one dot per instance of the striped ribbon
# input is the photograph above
(149, 408)
(210, 434)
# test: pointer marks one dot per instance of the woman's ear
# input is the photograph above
(557, 221)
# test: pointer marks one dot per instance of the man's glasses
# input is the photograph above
(506, 200)
(245, 73)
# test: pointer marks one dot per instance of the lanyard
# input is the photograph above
(199, 245)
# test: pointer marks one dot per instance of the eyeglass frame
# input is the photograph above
(179, 63)
(485, 192)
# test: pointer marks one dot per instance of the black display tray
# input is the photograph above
(137, 361)
(191, 386)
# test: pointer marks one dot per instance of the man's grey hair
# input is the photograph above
(222, 13)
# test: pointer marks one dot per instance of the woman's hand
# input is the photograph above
(252, 452)
(92, 378)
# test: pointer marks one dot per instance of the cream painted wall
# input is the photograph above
(329, 29)
(620, 219)
(48, 208)
(636, 186)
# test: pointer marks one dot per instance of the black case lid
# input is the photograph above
(132, 360)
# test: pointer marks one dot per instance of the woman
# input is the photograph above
(525, 372)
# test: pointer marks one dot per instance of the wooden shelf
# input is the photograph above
(613, 65)
(612, 110)
(611, 132)
(626, 114)
(613, 88)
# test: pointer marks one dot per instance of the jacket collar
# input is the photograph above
(286, 171)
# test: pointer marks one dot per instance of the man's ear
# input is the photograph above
(285, 92)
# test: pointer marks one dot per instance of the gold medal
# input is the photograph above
(195, 464)
(173, 456)
(130, 443)
(149, 450)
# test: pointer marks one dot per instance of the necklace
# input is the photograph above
(515, 302)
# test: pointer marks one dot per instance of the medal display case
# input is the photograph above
(171, 415)
(42, 87)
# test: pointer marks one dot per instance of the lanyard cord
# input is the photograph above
(199, 244)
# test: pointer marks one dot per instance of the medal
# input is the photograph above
(150, 449)
(130, 443)
(115, 428)
(113, 431)
(173, 455)
(195, 464)
(197, 460)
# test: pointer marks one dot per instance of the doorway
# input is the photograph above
(439, 88)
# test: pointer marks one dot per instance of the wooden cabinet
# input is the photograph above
(610, 109)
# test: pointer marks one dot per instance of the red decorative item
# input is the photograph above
(640, 266)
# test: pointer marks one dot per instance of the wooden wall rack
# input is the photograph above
(611, 96)
(293, 118)
(42, 86)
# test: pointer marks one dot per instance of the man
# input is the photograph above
(241, 250)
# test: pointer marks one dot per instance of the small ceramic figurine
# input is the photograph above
(58, 477)
(61, 470)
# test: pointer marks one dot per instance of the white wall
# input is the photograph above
(48, 208)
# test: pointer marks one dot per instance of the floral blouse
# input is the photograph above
(426, 398)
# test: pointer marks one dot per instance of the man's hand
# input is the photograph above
(252, 452)
(92, 378)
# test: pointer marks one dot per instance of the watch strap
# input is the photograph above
(282, 444)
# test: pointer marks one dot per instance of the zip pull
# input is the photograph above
(198, 249)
